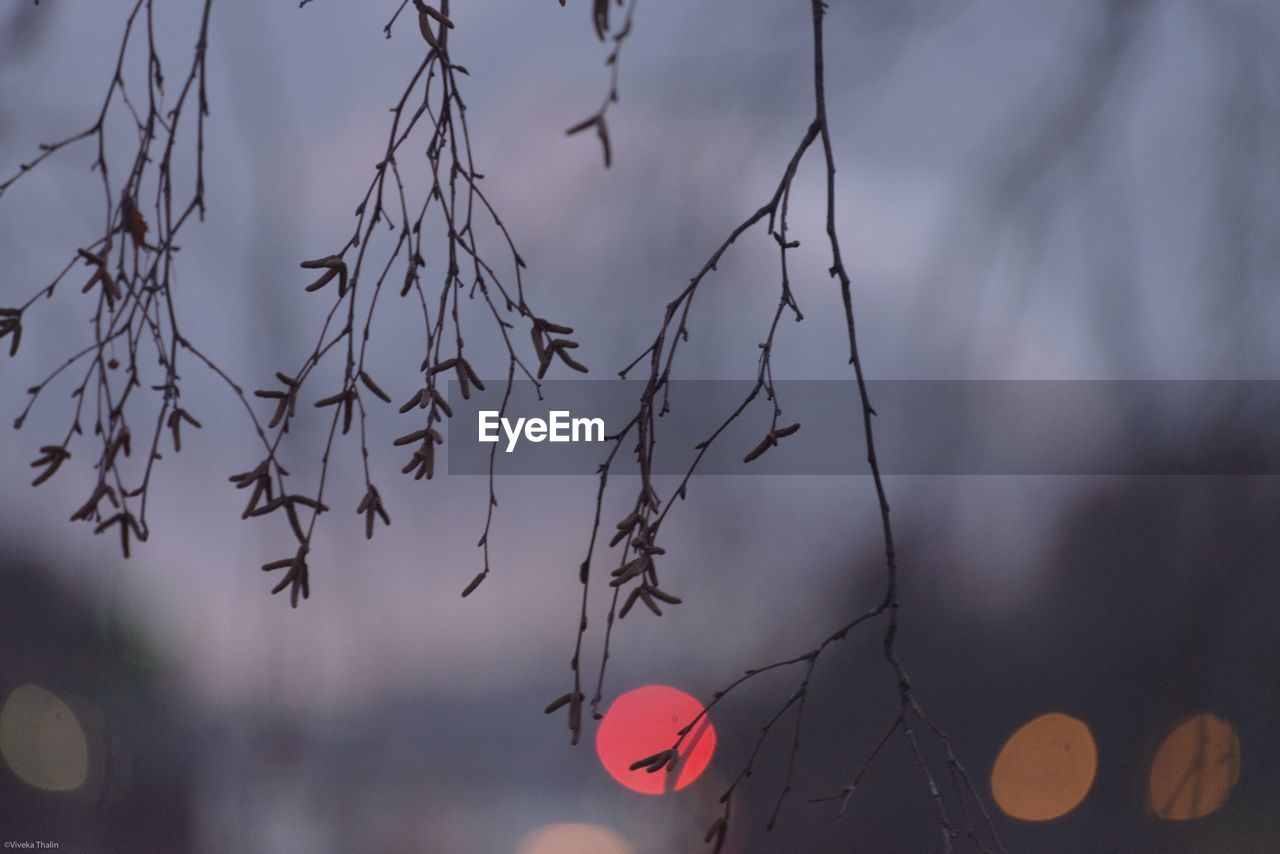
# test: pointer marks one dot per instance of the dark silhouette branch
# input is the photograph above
(131, 273)
(431, 111)
(598, 121)
(635, 577)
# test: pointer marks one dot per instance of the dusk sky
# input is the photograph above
(1052, 191)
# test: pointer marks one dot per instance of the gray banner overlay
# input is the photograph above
(923, 427)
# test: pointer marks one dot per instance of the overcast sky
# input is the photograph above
(1029, 191)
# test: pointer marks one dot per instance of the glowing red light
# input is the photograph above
(645, 721)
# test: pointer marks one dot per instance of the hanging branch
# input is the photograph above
(599, 119)
(431, 112)
(635, 577)
(130, 271)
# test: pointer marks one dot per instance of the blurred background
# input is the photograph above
(1026, 191)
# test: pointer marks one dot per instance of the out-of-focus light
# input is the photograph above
(645, 721)
(574, 839)
(1045, 769)
(1195, 769)
(41, 740)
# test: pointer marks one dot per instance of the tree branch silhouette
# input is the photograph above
(132, 271)
(636, 572)
(430, 109)
(599, 119)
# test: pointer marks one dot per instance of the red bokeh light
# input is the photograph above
(647, 720)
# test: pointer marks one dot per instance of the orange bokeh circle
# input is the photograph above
(645, 721)
(1195, 769)
(1045, 769)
